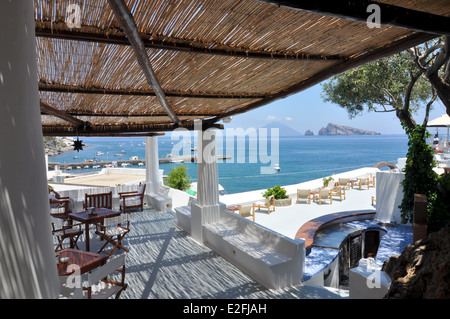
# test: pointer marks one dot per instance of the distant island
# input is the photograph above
(335, 129)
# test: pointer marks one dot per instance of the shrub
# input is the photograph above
(439, 205)
(278, 191)
(327, 180)
(178, 178)
(419, 175)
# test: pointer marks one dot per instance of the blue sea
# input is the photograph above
(301, 158)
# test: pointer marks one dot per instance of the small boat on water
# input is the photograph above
(99, 154)
(277, 167)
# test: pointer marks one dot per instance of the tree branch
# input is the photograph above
(427, 110)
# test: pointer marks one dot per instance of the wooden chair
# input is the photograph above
(101, 200)
(134, 199)
(62, 232)
(59, 205)
(363, 181)
(324, 194)
(267, 204)
(112, 227)
(304, 194)
(338, 191)
(344, 182)
(246, 211)
(100, 287)
(371, 180)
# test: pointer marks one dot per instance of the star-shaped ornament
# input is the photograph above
(78, 145)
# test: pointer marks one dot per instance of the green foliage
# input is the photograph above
(278, 191)
(380, 83)
(439, 205)
(178, 178)
(419, 175)
(327, 180)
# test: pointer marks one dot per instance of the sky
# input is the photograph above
(307, 111)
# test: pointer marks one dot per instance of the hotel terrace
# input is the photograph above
(142, 68)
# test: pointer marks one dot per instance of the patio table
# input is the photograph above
(353, 181)
(86, 260)
(234, 208)
(87, 218)
(314, 193)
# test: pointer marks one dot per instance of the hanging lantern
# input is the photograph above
(78, 145)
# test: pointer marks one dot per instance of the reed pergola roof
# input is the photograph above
(165, 63)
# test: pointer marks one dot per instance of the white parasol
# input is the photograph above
(442, 121)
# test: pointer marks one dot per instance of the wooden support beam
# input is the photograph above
(129, 26)
(45, 87)
(113, 130)
(154, 114)
(356, 10)
(182, 46)
(49, 110)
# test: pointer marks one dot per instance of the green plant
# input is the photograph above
(278, 192)
(439, 205)
(327, 180)
(178, 178)
(419, 175)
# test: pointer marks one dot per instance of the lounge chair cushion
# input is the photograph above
(131, 201)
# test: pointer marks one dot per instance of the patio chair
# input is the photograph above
(344, 182)
(304, 194)
(338, 191)
(133, 199)
(59, 205)
(246, 211)
(266, 204)
(371, 180)
(101, 200)
(112, 227)
(324, 194)
(363, 181)
(62, 232)
(98, 284)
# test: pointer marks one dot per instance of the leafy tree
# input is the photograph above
(387, 85)
(178, 178)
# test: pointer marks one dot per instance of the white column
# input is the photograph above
(206, 209)
(27, 260)
(152, 163)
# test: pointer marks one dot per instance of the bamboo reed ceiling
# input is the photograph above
(211, 58)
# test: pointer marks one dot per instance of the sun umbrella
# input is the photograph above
(442, 121)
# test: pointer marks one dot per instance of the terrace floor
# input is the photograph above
(164, 262)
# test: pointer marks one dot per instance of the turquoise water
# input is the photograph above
(300, 158)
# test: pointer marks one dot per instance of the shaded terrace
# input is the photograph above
(144, 67)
